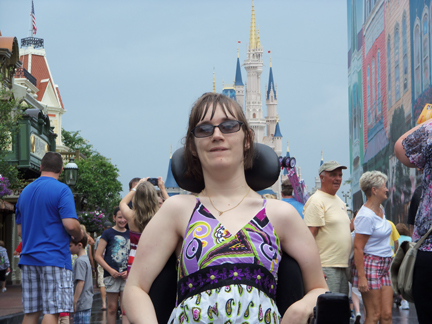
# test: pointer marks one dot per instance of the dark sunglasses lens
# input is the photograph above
(204, 130)
(230, 126)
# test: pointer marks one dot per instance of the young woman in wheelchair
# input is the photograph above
(228, 239)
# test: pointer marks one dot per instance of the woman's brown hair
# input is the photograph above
(145, 204)
(199, 110)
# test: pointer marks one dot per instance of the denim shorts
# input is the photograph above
(82, 317)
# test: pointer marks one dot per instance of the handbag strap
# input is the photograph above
(420, 242)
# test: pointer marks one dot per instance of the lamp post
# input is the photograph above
(71, 173)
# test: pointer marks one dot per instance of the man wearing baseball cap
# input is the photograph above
(326, 215)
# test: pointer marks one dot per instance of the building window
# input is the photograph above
(417, 62)
(404, 53)
(368, 96)
(396, 60)
(378, 84)
(425, 52)
(254, 115)
(389, 87)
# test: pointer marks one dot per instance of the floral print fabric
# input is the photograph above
(418, 148)
(207, 244)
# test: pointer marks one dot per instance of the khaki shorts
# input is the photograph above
(100, 276)
(114, 285)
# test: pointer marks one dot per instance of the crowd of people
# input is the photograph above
(228, 240)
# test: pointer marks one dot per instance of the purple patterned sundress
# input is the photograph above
(224, 277)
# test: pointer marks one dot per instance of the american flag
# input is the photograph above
(33, 20)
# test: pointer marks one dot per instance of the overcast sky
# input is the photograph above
(129, 71)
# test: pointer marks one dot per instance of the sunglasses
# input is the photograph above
(227, 127)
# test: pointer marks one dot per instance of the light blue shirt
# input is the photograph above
(297, 205)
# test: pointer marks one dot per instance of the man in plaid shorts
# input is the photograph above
(46, 219)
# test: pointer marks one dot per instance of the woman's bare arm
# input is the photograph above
(158, 241)
(399, 149)
(298, 242)
(360, 241)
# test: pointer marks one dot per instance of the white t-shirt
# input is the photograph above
(379, 229)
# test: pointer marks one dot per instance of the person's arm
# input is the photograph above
(360, 241)
(161, 185)
(100, 259)
(314, 230)
(78, 290)
(399, 149)
(158, 241)
(73, 228)
(314, 215)
(297, 241)
(127, 212)
(396, 246)
(18, 249)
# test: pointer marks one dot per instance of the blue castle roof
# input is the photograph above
(170, 181)
(271, 86)
(238, 77)
(229, 93)
(277, 131)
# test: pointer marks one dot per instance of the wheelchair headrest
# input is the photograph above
(263, 174)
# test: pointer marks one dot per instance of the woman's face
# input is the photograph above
(381, 192)
(220, 150)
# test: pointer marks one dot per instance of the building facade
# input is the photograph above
(395, 85)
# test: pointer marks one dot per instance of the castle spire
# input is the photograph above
(214, 82)
(253, 33)
(271, 86)
(238, 77)
(322, 161)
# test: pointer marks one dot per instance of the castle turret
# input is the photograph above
(277, 139)
(271, 102)
(238, 83)
(254, 66)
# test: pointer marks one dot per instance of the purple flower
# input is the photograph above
(236, 274)
(213, 276)
(258, 276)
(190, 284)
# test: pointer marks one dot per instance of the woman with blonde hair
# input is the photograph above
(144, 206)
(228, 239)
(372, 251)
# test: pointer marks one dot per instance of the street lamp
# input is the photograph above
(71, 173)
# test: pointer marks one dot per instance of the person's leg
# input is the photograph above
(372, 304)
(31, 294)
(112, 301)
(343, 281)
(50, 319)
(101, 284)
(386, 304)
(124, 317)
(333, 279)
(422, 286)
(103, 297)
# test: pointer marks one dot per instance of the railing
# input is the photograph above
(23, 73)
(36, 42)
(76, 155)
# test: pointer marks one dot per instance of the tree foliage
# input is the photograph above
(74, 141)
(10, 114)
(97, 176)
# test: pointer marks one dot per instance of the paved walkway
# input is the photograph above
(11, 309)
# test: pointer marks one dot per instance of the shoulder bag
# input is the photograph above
(402, 267)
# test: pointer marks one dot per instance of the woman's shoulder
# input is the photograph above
(280, 212)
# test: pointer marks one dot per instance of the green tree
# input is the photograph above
(97, 176)
(10, 114)
(74, 141)
(98, 183)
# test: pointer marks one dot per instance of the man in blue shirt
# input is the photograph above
(46, 219)
(287, 196)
